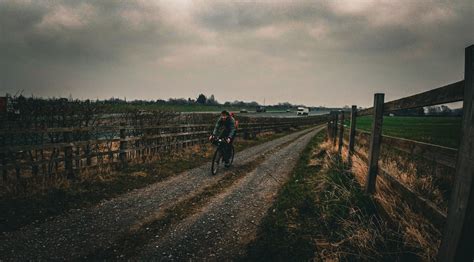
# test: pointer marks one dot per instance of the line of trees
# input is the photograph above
(438, 110)
(201, 99)
(442, 110)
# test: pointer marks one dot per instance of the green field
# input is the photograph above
(443, 131)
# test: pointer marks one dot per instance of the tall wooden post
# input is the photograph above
(329, 130)
(4, 163)
(335, 129)
(352, 131)
(375, 141)
(458, 237)
(341, 133)
(331, 122)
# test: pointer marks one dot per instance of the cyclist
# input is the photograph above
(225, 128)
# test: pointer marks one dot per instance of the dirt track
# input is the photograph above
(189, 216)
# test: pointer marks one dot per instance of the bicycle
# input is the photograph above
(217, 159)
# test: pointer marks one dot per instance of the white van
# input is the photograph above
(302, 111)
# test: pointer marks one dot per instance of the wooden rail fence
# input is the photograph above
(68, 151)
(458, 223)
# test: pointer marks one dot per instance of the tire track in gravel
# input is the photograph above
(82, 232)
(223, 228)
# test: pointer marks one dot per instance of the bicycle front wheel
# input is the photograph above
(216, 161)
(231, 159)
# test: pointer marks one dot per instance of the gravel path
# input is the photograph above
(223, 228)
(79, 233)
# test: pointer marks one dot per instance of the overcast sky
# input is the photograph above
(328, 53)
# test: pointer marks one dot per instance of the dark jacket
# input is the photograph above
(225, 128)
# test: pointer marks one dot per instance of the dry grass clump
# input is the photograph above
(419, 236)
(428, 179)
(354, 231)
(418, 233)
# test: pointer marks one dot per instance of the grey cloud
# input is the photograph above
(105, 34)
(146, 50)
(89, 41)
(354, 31)
(231, 17)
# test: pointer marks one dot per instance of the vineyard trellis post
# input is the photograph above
(458, 236)
(375, 140)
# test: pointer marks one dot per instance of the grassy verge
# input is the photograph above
(443, 131)
(17, 211)
(323, 214)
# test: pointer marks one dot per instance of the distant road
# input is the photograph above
(266, 114)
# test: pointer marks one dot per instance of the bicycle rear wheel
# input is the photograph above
(216, 161)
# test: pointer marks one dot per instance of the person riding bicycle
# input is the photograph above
(225, 128)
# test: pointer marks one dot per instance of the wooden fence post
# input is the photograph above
(68, 155)
(123, 147)
(4, 163)
(352, 131)
(78, 159)
(331, 125)
(341, 133)
(375, 141)
(246, 134)
(458, 237)
(87, 149)
(329, 130)
(334, 129)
